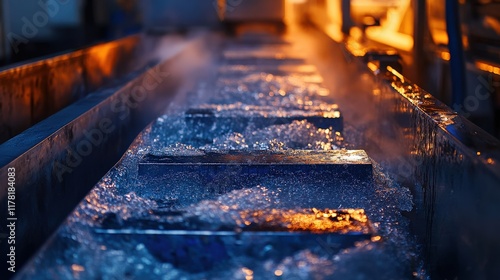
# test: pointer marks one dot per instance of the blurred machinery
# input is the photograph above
(161, 16)
(235, 13)
(418, 31)
(37, 28)
(170, 15)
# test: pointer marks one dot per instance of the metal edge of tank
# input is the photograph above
(452, 168)
(31, 92)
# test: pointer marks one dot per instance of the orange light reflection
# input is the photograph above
(313, 220)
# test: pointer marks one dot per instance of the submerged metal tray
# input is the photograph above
(237, 119)
(340, 164)
(261, 234)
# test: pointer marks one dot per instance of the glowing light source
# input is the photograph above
(77, 268)
(376, 238)
(373, 67)
(445, 55)
(314, 220)
(248, 273)
(488, 67)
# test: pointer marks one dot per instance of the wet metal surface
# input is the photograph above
(335, 167)
(32, 92)
(344, 221)
(297, 157)
(237, 117)
(457, 164)
(270, 234)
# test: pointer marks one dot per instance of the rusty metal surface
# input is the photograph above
(32, 92)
